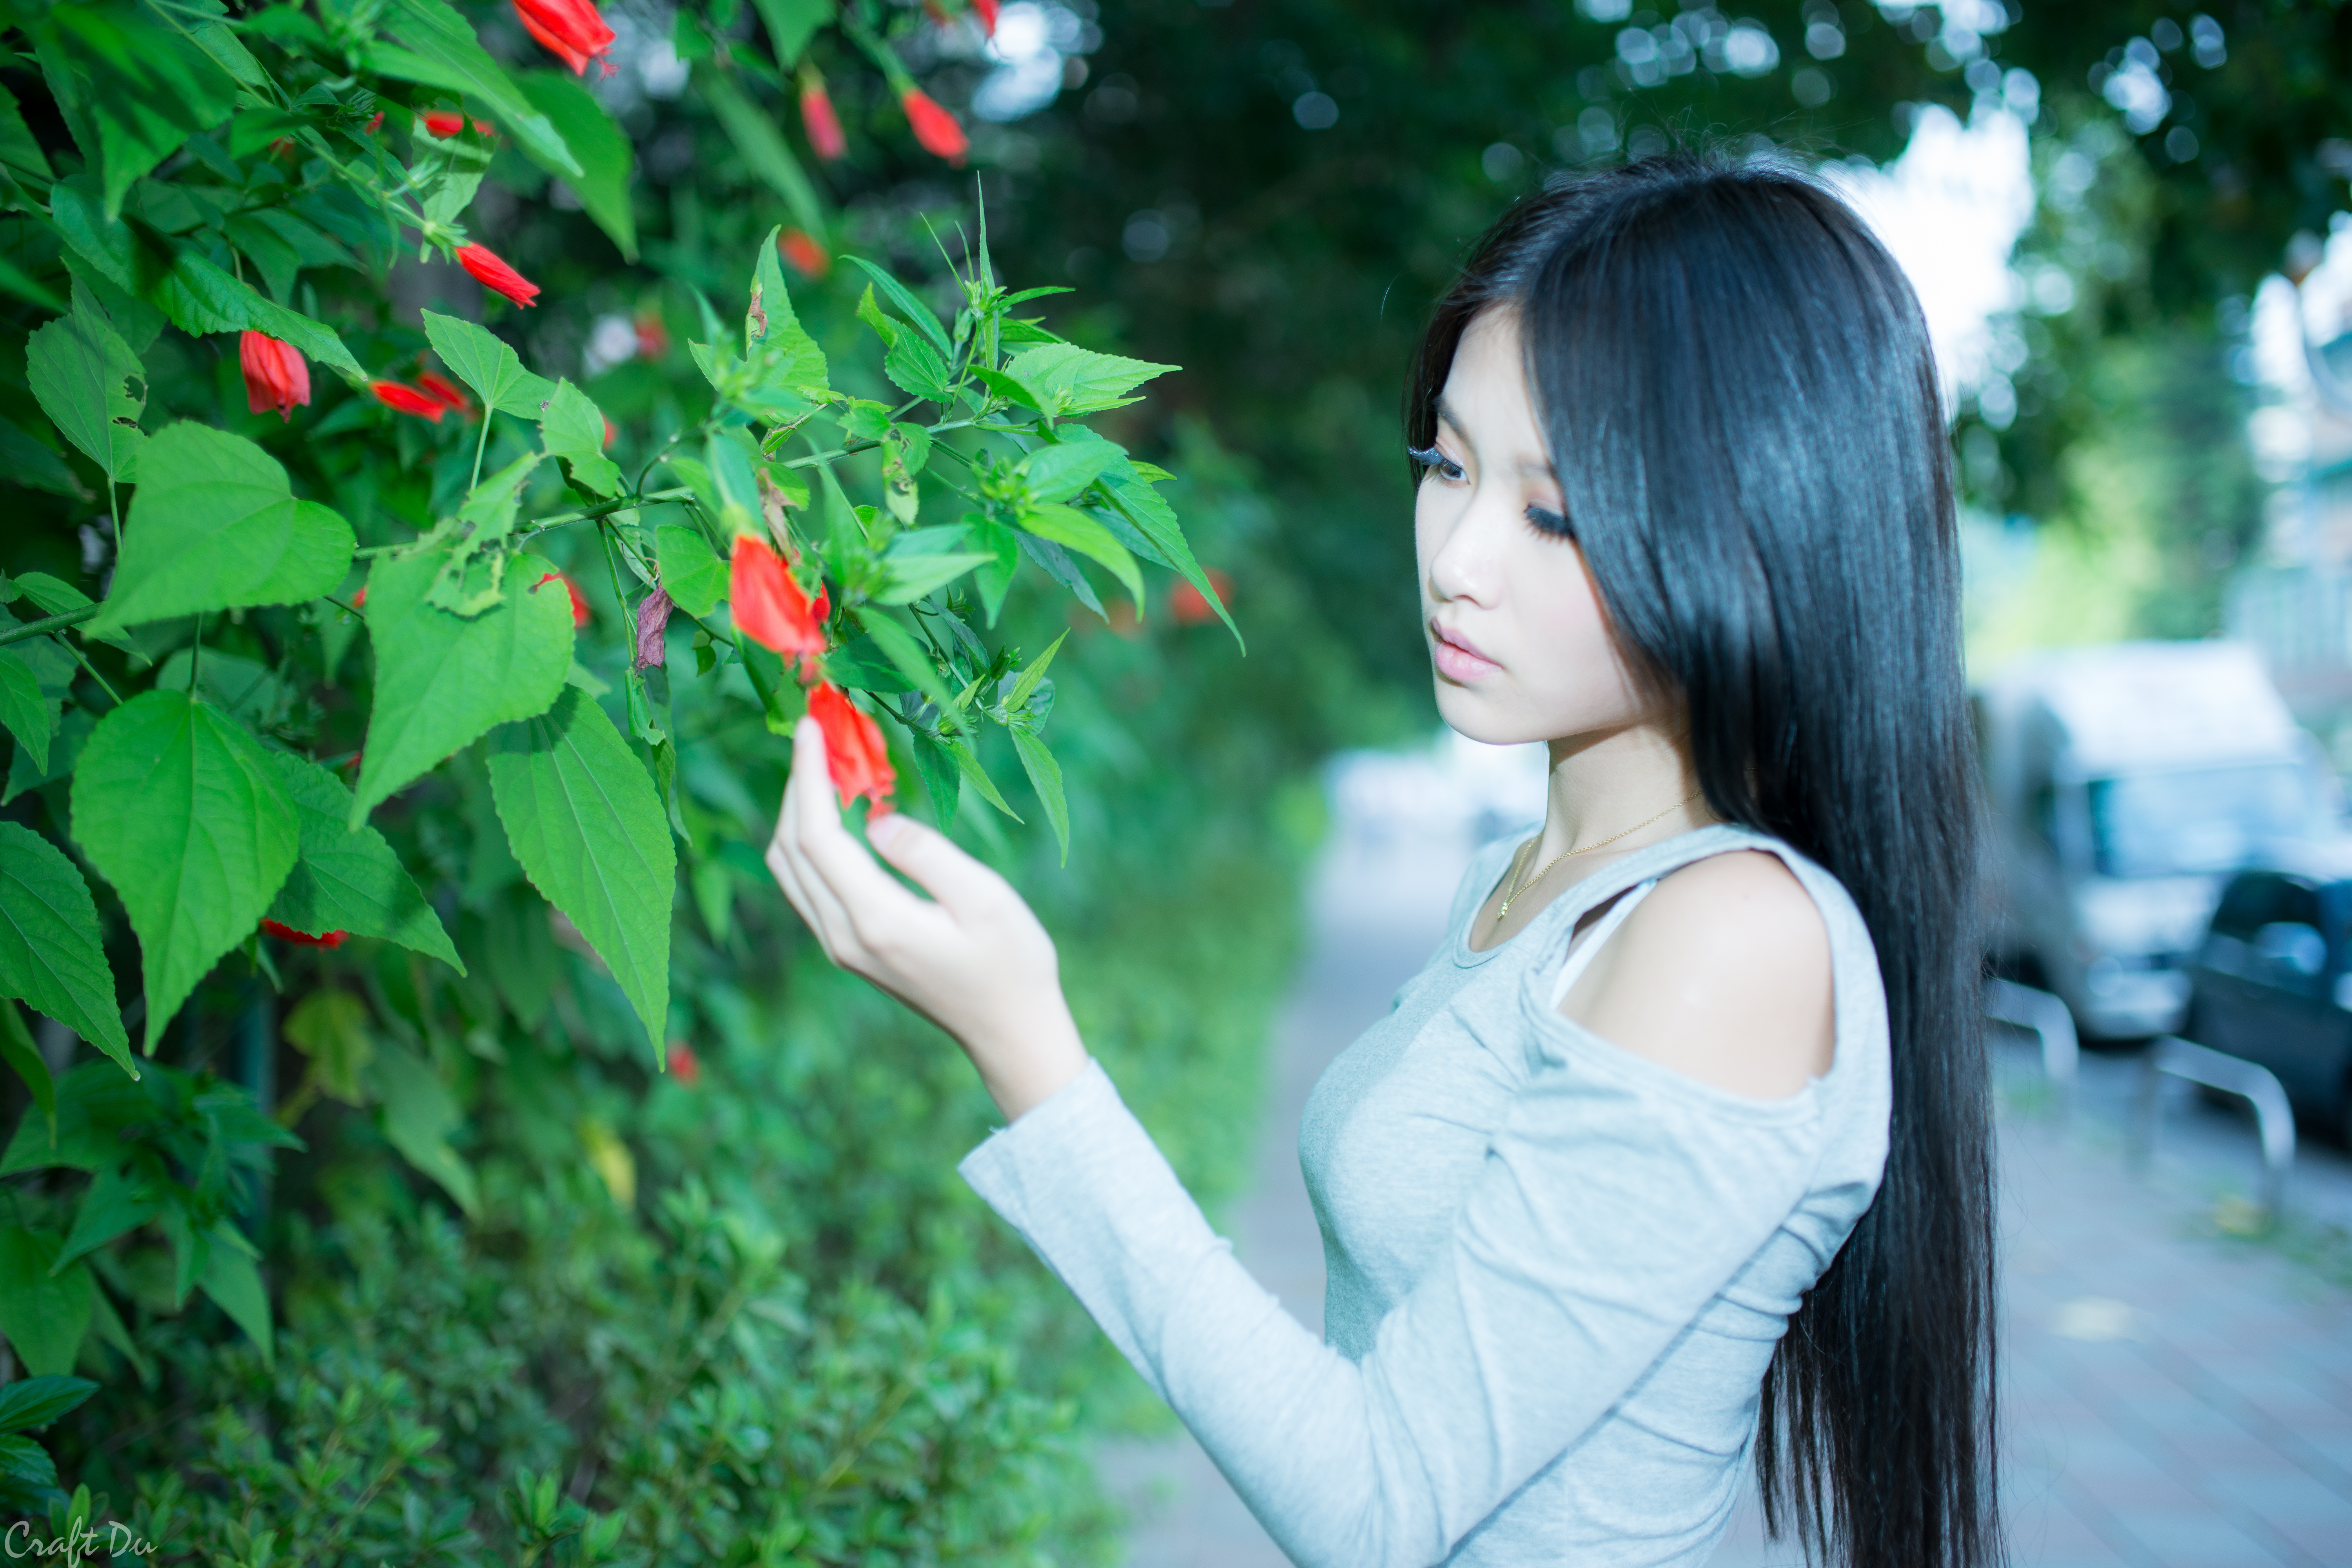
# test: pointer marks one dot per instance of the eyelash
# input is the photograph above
(1550, 524)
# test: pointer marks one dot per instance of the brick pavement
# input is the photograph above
(2176, 1395)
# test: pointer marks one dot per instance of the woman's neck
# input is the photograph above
(1606, 782)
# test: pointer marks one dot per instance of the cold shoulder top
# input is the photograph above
(1556, 1271)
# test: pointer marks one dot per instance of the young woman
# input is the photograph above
(1678, 1148)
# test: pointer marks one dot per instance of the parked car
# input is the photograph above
(2126, 783)
(2272, 980)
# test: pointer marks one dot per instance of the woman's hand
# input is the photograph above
(972, 958)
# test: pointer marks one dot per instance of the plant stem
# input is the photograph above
(103, 684)
(480, 447)
(53, 623)
(585, 514)
(197, 655)
(114, 510)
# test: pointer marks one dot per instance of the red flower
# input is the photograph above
(609, 431)
(276, 374)
(807, 255)
(493, 273)
(653, 621)
(402, 398)
(447, 392)
(573, 29)
(682, 1065)
(853, 753)
(653, 335)
(281, 148)
(1191, 607)
(986, 11)
(376, 123)
(443, 123)
(935, 128)
(818, 117)
(359, 600)
(304, 939)
(769, 606)
(579, 601)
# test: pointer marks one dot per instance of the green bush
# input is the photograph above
(390, 1238)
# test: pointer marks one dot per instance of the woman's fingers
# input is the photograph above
(964, 888)
(837, 871)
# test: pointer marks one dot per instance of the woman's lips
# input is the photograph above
(1456, 657)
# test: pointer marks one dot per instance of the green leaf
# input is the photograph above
(900, 648)
(1129, 488)
(417, 1117)
(441, 51)
(144, 87)
(65, 751)
(589, 829)
(79, 368)
(969, 765)
(1045, 778)
(915, 573)
(29, 1477)
(19, 151)
(28, 715)
(904, 300)
(1067, 525)
(232, 1280)
(1061, 472)
(483, 361)
(348, 877)
(44, 1317)
(941, 779)
(34, 466)
(755, 136)
(50, 952)
(119, 1200)
(94, 1103)
(443, 679)
(572, 428)
(200, 298)
(785, 361)
(215, 526)
(1027, 685)
(176, 806)
(690, 570)
(30, 1404)
(57, 596)
(1070, 379)
(791, 24)
(600, 147)
(24, 1056)
(329, 1028)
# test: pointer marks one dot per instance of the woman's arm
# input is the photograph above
(1612, 1209)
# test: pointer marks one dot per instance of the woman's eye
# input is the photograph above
(1429, 457)
(1551, 524)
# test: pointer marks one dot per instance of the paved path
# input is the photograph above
(2178, 1395)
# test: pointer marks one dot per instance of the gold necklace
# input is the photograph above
(1506, 907)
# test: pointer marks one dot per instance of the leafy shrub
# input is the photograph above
(500, 1176)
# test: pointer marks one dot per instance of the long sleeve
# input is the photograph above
(1613, 1204)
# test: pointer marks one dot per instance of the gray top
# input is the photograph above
(1556, 1271)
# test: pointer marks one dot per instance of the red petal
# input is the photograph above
(768, 605)
(493, 273)
(855, 756)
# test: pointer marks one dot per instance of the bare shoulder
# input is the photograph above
(1722, 974)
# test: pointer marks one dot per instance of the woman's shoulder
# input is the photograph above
(1724, 974)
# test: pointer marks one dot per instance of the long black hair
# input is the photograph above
(1739, 397)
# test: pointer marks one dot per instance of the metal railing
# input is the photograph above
(2273, 1119)
(2044, 1017)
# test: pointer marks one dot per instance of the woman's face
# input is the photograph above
(1522, 648)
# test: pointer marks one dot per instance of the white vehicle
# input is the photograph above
(2125, 783)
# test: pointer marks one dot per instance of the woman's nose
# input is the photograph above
(1466, 563)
